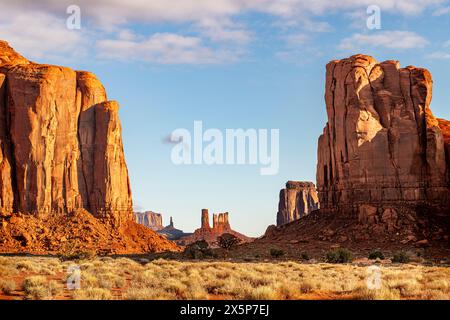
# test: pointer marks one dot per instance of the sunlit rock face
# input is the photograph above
(382, 148)
(297, 200)
(60, 142)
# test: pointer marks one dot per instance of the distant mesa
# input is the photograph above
(297, 200)
(154, 221)
(220, 226)
(172, 233)
(150, 219)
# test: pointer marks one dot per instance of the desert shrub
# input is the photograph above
(227, 241)
(306, 286)
(198, 250)
(8, 270)
(304, 256)
(7, 286)
(364, 293)
(276, 253)
(92, 294)
(78, 255)
(38, 288)
(339, 255)
(376, 254)
(400, 257)
(262, 293)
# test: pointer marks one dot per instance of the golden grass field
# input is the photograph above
(123, 278)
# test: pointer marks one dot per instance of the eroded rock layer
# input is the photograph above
(61, 144)
(296, 201)
(382, 149)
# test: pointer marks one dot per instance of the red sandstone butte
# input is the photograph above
(221, 225)
(382, 150)
(297, 200)
(61, 157)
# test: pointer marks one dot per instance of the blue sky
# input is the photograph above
(231, 64)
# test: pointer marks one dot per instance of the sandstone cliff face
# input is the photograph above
(382, 149)
(61, 145)
(296, 201)
(149, 219)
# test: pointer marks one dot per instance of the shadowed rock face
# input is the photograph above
(382, 148)
(296, 200)
(60, 140)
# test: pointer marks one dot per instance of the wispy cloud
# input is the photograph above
(42, 36)
(439, 55)
(441, 11)
(398, 40)
(164, 48)
(215, 31)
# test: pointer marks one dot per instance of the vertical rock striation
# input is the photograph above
(60, 140)
(149, 219)
(296, 201)
(382, 149)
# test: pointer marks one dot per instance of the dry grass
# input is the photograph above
(122, 278)
(7, 286)
(40, 288)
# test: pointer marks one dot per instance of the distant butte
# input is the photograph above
(221, 225)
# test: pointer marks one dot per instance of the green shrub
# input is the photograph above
(227, 241)
(276, 253)
(376, 254)
(198, 250)
(400, 257)
(339, 255)
(304, 256)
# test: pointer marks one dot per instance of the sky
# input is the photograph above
(251, 64)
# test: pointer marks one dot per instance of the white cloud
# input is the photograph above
(164, 48)
(439, 55)
(441, 11)
(28, 24)
(399, 40)
(40, 36)
(223, 30)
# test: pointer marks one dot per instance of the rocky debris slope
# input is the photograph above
(298, 199)
(383, 161)
(77, 232)
(61, 151)
(221, 225)
(149, 219)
